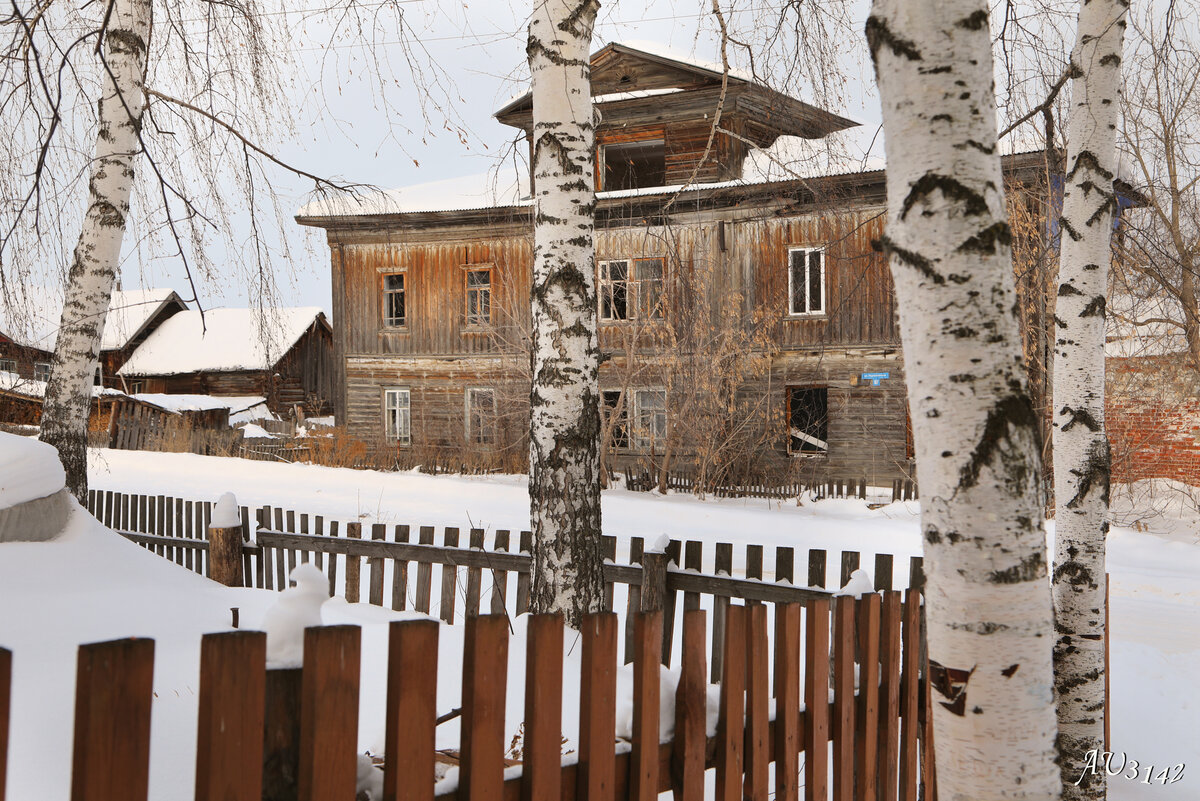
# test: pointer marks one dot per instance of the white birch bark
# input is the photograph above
(564, 429)
(987, 601)
(1081, 452)
(95, 262)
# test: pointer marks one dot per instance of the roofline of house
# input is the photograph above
(174, 295)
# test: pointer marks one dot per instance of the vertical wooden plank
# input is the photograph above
(108, 509)
(691, 708)
(329, 713)
(375, 565)
(916, 573)
(424, 572)
(910, 691)
(485, 674)
(816, 567)
(449, 579)
(598, 708)
(609, 551)
(785, 565)
(723, 565)
(333, 560)
(319, 530)
(754, 562)
(474, 575)
(757, 705)
(788, 743)
(634, 603)
(674, 548)
(114, 687)
(5, 711)
(889, 696)
(693, 560)
(541, 777)
(500, 577)
(203, 515)
(730, 733)
(523, 577)
(400, 572)
(849, 565)
(229, 734)
(843, 699)
(883, 572)
(647, 659)
(867, 721)
(353, 564)
(411, 713)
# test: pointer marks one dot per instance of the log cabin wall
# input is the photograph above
(23, 356)
(113, 360)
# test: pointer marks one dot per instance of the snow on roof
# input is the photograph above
(200, 403)
(28, 470)
(224, 341)
(128, 312)
(32, 388)
(492, 189)
(683, 57)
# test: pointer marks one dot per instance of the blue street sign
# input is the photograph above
(875, 378)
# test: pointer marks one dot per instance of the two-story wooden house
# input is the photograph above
(746, 321)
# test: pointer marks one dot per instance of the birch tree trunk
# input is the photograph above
(564, 428)
(1081, 452)
(94, 265)
(987, 604)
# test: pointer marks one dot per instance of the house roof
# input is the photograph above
(130, 311)
(13, 384)
(224, 340)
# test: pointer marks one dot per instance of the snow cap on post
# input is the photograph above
(225, 512)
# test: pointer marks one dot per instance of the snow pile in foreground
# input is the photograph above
(28, 470)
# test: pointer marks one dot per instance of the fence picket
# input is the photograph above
(723, 564)
(375, 565)
(693, 559)
(485, 673)
(541, 775)
(757, 705)
(634, 602)
(787, 702)
(499, 576)
(673, 555)
(523, 578)
(319, 530)
(424, 572)
(843, 699)
(867, 725)
(889, 695)
(353, 565)
(909, 696)
(609, 553)
(647, 657)
(730, 737)
(114, 687)
(883, 572)
(474, 575)
(691, 700)
(329, 713)
(596, 779)
(816, 567)
(400, 572)
(229, 736)
(411, 715)
(850, 561)
(449, 578)
(333, 559)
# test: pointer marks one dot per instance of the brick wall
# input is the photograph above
(1152, 413)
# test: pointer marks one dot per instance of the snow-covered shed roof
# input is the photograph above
(32, 388)
(200, 403)
(483, 190)
(130, 311)
(224, 340)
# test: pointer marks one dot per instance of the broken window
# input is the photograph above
(393, 301)
(479, 296)
(806, 281)
(397, 416)
(627, 297)
(41, 371)
(481, 416)
(614, 414)
(808, 420)
(649, 417)
(614, 290)
(634, 165)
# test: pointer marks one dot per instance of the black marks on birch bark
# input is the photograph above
(1065, 290)
(1094, 474)
(1009, 671)
(879, 34)
(911, 258)
(1081, 416)
(951, 684)
(976, 21)
(1086, 160)
(1028, 568)
(973, 202)
(585, 12)
(985, 241)
(1010, 414)
(1095, 307)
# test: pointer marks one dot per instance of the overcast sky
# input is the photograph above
(350, 126)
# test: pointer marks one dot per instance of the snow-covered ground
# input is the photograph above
(91, 585)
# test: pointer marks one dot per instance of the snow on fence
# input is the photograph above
(850, 677)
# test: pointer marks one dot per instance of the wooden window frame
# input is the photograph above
(633, 282)
(808, 311)
(485, 432)
(619, 434)
(385, 274)
(468, 321)
(397, 440)
(817, 451)
(602, 161)
(8, 366)
(42, 367)
(637, 432)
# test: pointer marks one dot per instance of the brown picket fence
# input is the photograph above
(292, 734)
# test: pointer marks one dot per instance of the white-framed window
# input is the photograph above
(481, 415)
(397, 415)
(136, 387)
(808, 420)
(649, 417)
(479, 295)
(8, 365)
(395, 310)
(41, 371)
(631, 289)
(806, 281)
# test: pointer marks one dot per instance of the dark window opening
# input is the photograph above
(614, 290)
(393, 301)
(614, 411)
(634, 165)
(808, 420)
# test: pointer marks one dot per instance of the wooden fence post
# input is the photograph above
(353, 531)
(281, 735)
(329, 713)
(598, 708)
(225, 543)
(229, 738)
(654, 580)
(411, 710)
